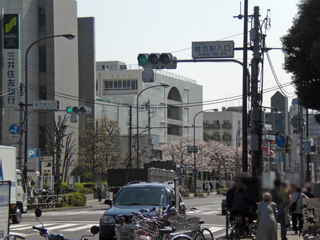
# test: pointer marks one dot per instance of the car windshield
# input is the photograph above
(141, 196)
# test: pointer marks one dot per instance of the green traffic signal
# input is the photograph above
(143, 59)
(69, 109)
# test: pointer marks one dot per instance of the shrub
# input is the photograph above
(73, 199)
(222, 190)
(185, 193)
(197, 194)
(77, 186)
(89, 185)
(86, 190)
(105, 183)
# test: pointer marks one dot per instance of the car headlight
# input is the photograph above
(107, 219)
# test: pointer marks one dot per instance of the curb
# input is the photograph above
(59, 208)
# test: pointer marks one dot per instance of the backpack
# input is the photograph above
(274, 196)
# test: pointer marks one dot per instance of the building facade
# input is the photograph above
(165, 114)
(223, 126)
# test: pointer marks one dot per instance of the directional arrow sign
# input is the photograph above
(14, 129)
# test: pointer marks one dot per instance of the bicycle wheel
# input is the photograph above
(206, 231)
(199, 235)
(181, 237)
(253, 230)
(235, 233)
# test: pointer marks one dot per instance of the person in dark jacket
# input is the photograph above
(308, 192)
(232, 191)
(217, 185)
(241, 204)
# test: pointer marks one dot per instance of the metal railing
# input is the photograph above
(44, 201)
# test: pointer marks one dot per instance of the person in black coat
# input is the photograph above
(308, 192)
(241, 204)
(232, 191)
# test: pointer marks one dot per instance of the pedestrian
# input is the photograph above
(268, 215)
(100, 189)
(232, 191)
(208, 189)
(217, 185)
(296, 209)
(282, 200)
(308, 192)
(211, 186)
(286, 209)
(204, 186)
(241, 205)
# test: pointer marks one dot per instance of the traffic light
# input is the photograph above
(155, 61)
(77, 110)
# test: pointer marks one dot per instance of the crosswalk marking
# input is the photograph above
(72, 213)
(27, 227)
(88, 227)
(20, 234)
(215, 229)
(61, 226)
(18, 225)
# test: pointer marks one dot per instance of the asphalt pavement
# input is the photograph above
(74, 223)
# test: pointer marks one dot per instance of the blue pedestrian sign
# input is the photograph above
(185, 165)
(281, 159)
(14, 129)
(194, 170)
(280, 140)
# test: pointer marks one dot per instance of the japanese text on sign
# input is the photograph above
(46, 104)
(217, 49)
(11, 78)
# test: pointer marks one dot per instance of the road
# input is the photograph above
(77, 222)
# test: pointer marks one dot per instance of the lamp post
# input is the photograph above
(194, 143)
(160, 85)
(69, 37)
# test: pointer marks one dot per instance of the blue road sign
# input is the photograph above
(281, 159)
(194, 170)
(280, 140)
(14, 129)
(185, 165)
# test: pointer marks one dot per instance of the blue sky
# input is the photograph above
(125, 28)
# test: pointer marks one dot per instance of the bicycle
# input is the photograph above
(253, 229)
(239, 229)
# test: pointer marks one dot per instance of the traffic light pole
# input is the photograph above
(130, 136)
(308, 173)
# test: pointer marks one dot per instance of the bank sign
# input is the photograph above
(216, 49)
(11, 52)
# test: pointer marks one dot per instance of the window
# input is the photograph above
(43, 93)
(186, 114)
(42, 20)
(42, 59)
(134, 84)
(162, 108)
(42, 138)
(20, 181)
(162, 129)
(97, 84)
(186, 96)
(121, 85)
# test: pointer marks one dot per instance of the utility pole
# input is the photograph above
(300, 123)
(130, 135)
(20, 144)
(256, 134)
(308, 173)
(149, 117)
(244, 90)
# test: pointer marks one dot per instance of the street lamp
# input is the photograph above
(194, 142)
(67, 36)
(160, 85)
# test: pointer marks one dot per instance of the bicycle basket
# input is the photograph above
(124, 232)
(184, 223)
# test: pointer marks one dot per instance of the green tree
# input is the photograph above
(100, 148)
(301, 46)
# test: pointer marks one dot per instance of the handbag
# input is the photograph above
(293, 205)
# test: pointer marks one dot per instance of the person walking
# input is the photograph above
(308, 191)
(296, 209)
(282, 200)
(217, 185)
(208, 189)
(268, 215)
(100, 189)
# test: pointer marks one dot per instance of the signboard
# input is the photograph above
(4, 208)
(46, 159)
(280, 140)
(11, 57)
(191, 149)
(281, 159)
(46, 105)
(216, 49)
(14, 131)
(194, 170)
(32, 154)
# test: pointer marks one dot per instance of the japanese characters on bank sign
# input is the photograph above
(11, 52)
(216, 49)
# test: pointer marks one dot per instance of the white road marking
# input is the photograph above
(61, 226)
(17, 228)
(215, 229)
(88, 226)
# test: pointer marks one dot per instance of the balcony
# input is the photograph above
(226, 137)
(206, 126)
(226, 126)
(215, 126)
(215, 137)
(206, 137)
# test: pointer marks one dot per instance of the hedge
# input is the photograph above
(86, 190)
(76, 186)
(74, 199)
(222, 190)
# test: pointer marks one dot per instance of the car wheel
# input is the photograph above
(17, 218)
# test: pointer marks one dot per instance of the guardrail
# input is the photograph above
(44, 201)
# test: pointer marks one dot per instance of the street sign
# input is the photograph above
(194, 170)
(192, 150)
(46, 105)
(215, 49)
(14, 129)
(32, 154)
(185, 165)
(46, 159)
(281, 159)
(280, 140)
